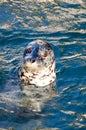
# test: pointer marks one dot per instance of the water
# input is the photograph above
(62, 23)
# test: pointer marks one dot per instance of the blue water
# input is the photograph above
(62, 23)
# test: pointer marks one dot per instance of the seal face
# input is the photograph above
(38, 65)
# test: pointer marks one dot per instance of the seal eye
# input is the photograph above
(45, 54)
(28, 50)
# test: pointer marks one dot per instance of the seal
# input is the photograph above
(38, 64)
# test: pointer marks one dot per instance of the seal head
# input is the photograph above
(38, 64)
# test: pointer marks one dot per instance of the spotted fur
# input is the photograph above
(38, 64)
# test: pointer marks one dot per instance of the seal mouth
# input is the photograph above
(31, 67)
(29, 60)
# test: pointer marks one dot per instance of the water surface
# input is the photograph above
(62, 23)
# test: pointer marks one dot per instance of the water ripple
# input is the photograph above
(62, 23)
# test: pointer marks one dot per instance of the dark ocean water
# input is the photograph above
(62, 23)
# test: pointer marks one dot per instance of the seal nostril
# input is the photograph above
(33, 60)
(22, 74)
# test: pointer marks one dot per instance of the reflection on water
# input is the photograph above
(62, 23)
(34, 97)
